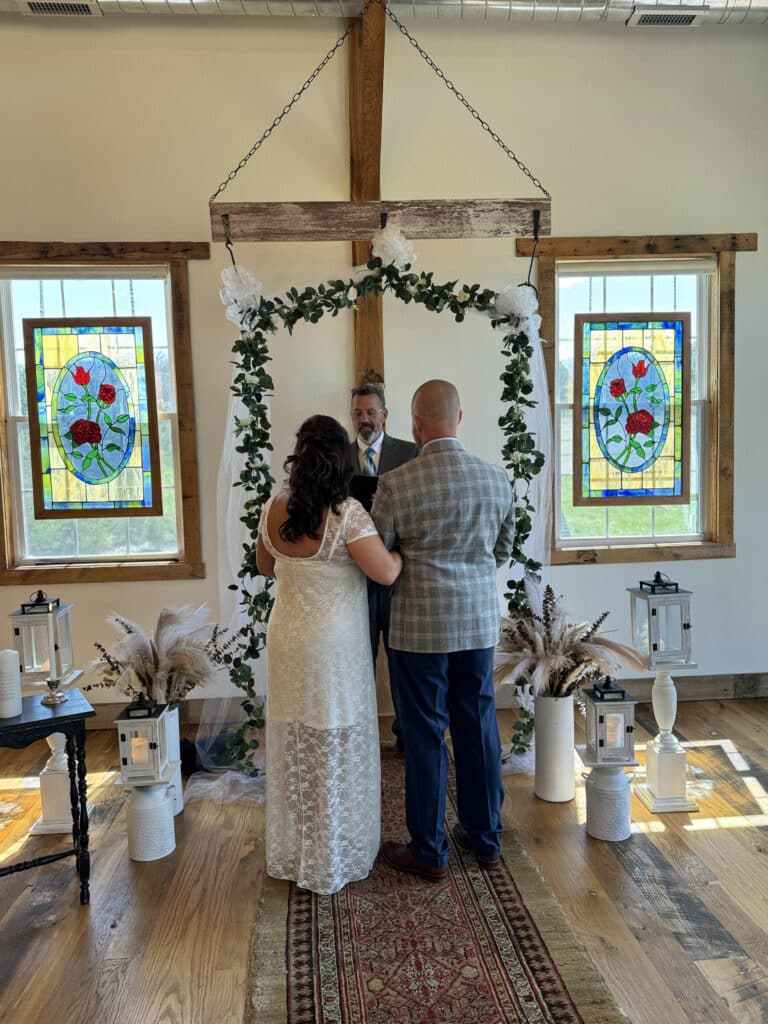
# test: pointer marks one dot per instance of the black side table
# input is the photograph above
(35, 722)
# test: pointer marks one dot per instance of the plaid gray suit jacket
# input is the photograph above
(452, 515)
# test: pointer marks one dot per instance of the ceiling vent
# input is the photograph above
(61, 8)
(655, 14)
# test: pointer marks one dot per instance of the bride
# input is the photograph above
(322, 737)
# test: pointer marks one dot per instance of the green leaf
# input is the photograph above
(119, 430)
(615, 439)
(651, 387)
(113, 448)
(122, 418)
(604, 412)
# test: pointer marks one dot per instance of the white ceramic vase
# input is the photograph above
(555, 776)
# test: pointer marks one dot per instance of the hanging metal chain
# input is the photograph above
(425, 56)
(463, 100)
(289, 106)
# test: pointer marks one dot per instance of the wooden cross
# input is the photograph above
(357, 220)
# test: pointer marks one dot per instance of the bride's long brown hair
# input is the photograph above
(319, 474)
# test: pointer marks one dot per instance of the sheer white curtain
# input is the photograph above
(221, 716)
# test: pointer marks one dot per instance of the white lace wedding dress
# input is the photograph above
(322, 737)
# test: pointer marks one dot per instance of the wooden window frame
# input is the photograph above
(718, 539)
(188, 564)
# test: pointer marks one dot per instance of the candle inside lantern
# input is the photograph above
(139, 750)
(614, 732)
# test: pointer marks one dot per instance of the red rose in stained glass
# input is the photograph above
(106, 394)
(85, 432)
(640, 369)
(640, 422)
(618, 387)
(81, 377)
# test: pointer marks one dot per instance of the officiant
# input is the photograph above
(372, 453)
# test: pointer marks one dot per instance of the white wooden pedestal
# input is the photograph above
(664, 789)
(54, 791)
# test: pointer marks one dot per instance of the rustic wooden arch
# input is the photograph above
(356, 220)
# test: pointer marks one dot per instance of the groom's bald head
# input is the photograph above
(435, 410)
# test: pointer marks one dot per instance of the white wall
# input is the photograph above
(120, 130)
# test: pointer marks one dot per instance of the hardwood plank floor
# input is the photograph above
(676, 917)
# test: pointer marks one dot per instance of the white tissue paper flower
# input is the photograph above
(517, 300)
(392, 247)
(462, 296)
(352, 293)
(240, 293)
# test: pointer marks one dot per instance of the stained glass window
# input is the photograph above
(92, 417)
(632, 413)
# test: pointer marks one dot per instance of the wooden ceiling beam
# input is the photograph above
(365, 90)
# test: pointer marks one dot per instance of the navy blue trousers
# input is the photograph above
(450, 691)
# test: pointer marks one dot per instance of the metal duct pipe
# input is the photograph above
(663, 15)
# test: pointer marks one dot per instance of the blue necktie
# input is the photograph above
(370, 462)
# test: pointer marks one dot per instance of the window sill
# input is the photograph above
(102, 572)
(642, 553)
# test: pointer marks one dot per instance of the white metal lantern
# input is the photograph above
(141, 730)
(610, 725)
(42, 633)
(661, 621)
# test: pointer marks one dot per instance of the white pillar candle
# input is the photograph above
(10, 684)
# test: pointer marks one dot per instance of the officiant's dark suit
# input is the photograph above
(452, 516)
(369, 414)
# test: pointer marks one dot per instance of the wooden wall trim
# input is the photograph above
(102, 252)
(689, 688)
(642, 553)
(101, 572)
(185, 397)
(721, 387)
(617, 246)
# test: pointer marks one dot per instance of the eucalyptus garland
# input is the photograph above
(253, 384)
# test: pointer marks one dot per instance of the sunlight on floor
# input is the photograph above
(95, 781)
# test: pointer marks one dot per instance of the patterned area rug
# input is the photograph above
(486, 947)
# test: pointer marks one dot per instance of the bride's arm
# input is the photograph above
(373, 558)
(264, 561)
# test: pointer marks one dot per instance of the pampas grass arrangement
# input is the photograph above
(167, 663)
(553, 655)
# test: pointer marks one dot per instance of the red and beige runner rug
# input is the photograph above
(486, 947)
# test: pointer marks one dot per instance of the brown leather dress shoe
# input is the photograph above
(399, 857)
(462, 838)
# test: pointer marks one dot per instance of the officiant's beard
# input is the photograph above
(370, 434)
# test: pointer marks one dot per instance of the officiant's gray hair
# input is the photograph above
(369, 389)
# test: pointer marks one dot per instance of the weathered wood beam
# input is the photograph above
(365, 90)
(638, 245)
(340, 222)
(102, 252)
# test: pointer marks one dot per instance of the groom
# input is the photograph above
(452, 515)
